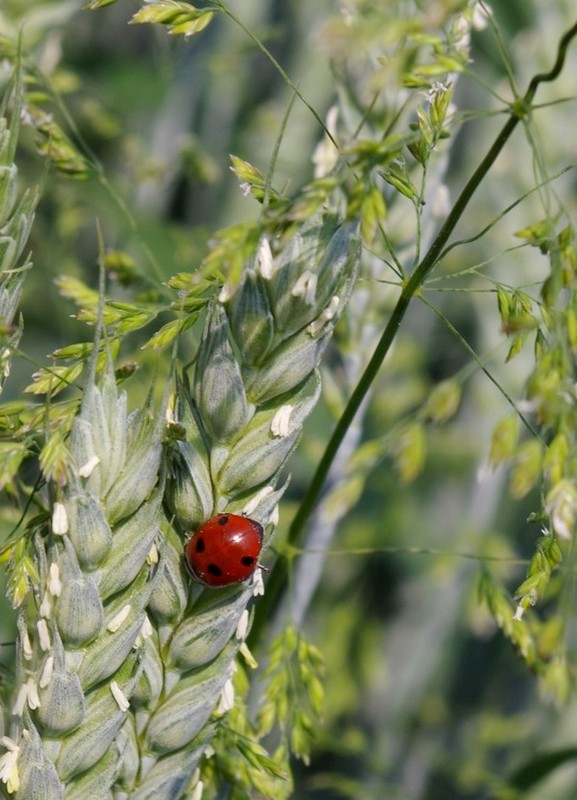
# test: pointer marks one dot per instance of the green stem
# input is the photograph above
(413, 285)
(284, 75)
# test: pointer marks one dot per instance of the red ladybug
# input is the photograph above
(224, 550)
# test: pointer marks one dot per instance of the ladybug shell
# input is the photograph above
(224, 550)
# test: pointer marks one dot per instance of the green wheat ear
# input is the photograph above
(16, 217)
(123, 662)
(233, 425)
(80, 624)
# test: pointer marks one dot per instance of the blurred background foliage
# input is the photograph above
(425, 699)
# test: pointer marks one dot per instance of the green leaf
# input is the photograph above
(373, 213)
(180, 18)
(95, 4)
(169, 332)
(415, 81)
(397, 176)
(540, 766)
(184, 282)
(249, 175)
(231, 248)
(505, 303)
(443, 402)
(425, 126)
(517, 345)
(370, 153)
(499, 604)
(76, 290)
(258, 757)
(54, 379)
(527, 468)
(504, 440)
(538, 234)
(11, 456)
(56, 145)
(409, 452)
(123, 316)
(442, 66)
(55, 458)
(80, 350)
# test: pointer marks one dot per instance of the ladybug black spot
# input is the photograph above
(200, 545)
(247, 561)
(214, 569)
(223, 519)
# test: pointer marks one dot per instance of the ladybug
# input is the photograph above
(224, 550)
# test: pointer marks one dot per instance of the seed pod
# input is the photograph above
(10, 292)
(189, 489)
(85, 746)
(260, 453)
(91, 435)
(79, 612)
(88, 529)
(189, 492)
(170, 775)
(124, 618)
(170, 596)
(309, 271)
(218, 386)
(150, 682)
(82, 447)
(338, 265)
(187, 708)
(140, 472)
(61, 703)
(16, 230)
(287, 368)
(97, 781)
(99, 436)
(130, 546)
(295, 262)
(251, 320)
(115, 412)
(204, 634)
(8, 184)
(38, 776)
(127, 743)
